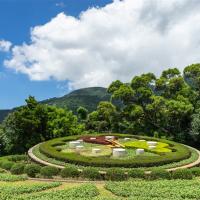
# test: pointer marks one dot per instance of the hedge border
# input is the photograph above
(181, 153)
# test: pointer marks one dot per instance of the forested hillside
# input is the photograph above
(86, 97)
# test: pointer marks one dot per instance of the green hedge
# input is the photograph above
(70, 172)
(49, 172)
(32, 170)
(180, 152)
(17, 168)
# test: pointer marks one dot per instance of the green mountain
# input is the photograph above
(86, 97)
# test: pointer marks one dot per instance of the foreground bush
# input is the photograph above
(136, 173)
(195, 171)
(182, 174)
(11, 178)
(16, 158)
(32, 169)
(70, 171)
(49, 172)
(115, 175)
(159, 174)
(17, 168)
(91, 173)
(7, 165)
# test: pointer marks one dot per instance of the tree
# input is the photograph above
(82, 113)
(192, 75)
(34, 123)
(195, 126)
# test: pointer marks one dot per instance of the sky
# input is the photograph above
(51, 47)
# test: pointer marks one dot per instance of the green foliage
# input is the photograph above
(195, 171)
(182, 174)
(82, 113)
(136, 173)
(15, 158)
(7, 165)
(91, 173)
(70, 171)
(32, 170)
(25, 189)
(33, 123)
(159, 174)
(49, 172)
(115, 175)
(82, 192)
(11, 178)
(17, 168)
(155, 190)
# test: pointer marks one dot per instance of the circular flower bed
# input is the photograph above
(164, 153)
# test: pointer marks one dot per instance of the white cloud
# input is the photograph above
(5, 45)
(117, 41)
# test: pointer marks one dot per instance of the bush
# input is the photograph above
(91, 173)
(17, 168)
(49, 172)
(16, 158)
(195, 171)
(159, 174)
(115, 175)
(136, 173)
(32, 169)
(7, 165)
(69, 172)
(182, 174)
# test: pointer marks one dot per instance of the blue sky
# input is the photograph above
(16, 19)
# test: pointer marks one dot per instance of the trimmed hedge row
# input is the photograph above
(179, 152)
(111, 174)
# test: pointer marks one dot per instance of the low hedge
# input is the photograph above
(115, 175)
(70, 172)
(7, 165)
(17, 168)
(32, 170)
(137, 173)
(181, 152)
(159, 174)
(182, 174)
(49, 172)
(91, 173)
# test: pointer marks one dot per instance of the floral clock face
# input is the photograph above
(113, 147)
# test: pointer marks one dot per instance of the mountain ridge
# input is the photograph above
(86, 97)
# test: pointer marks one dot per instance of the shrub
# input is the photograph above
(49, 171)
(91, 173)
(69, 171)
(195, 171)
(159, 174)
(32, 169)
(17, 168)
(115, 175)
(16, 158)
(7, 165)
(136, 173)
(11, 178)
(182, 174)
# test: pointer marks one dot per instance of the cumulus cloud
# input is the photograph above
(118, 41)
(5, 45)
